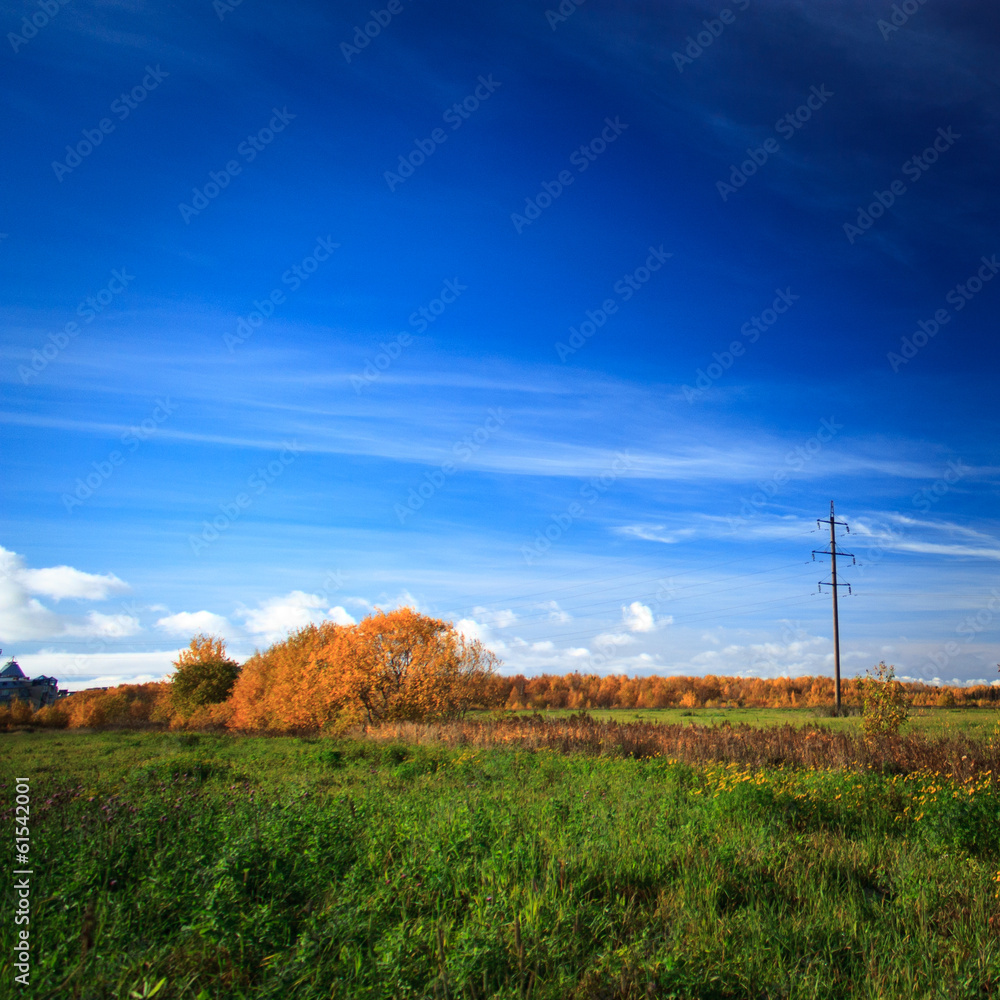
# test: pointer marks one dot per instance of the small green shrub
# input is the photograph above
(204, 674)
(886, 707)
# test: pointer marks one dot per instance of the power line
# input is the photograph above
(543, 615)
(697, 618)
(524, 599)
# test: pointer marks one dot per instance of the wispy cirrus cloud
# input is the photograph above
(913, 537)
(654, 533)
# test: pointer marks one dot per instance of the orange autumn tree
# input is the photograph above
(408, 666)
(391, 666)
(294, 684)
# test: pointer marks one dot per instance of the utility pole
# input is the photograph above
(832, 583)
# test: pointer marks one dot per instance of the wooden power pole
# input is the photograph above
(833, 585)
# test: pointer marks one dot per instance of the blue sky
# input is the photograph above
(564, 326)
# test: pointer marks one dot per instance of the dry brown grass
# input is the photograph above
(957, 756)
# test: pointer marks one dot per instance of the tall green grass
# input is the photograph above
(232, 867)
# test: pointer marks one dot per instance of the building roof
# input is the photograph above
(12, 670)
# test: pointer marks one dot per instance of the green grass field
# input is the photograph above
(931, 721)
(231, 867)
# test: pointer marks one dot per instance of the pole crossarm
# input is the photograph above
(835, 552)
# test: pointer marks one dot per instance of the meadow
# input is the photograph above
(511, 859)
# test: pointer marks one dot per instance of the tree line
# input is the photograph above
(404, 666)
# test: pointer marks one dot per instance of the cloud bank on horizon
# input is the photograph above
(562, 324)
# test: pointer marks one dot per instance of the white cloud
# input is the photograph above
(556, 613)
(406, 600)
(638, 617)
(803, 655)
(82, 670)
(58, 582)
(475, 631)
(107, 626)
(340, 617)
(470, 629)
(24, 618)
(495, 619)
(189, 623)
(274, 618)
(608, 640)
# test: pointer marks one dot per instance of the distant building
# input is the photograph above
(15, 685)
